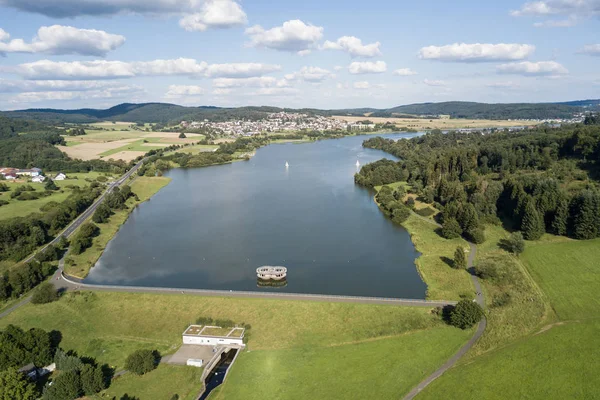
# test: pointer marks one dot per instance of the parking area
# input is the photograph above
(196, 352)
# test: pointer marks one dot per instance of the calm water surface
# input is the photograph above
(210, 228)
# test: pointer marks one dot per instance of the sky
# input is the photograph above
(326, 54)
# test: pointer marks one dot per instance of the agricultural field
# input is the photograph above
(557, 360)
(120, 141)
(326, 343)
(421, 124)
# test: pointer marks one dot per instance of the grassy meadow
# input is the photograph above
(558, 357)
(145, 187)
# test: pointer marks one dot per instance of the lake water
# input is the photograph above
(210, 228)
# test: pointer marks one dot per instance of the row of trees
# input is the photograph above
(535, 181)
(19, 347)
(77, 376)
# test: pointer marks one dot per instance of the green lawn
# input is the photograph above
(109, 326)
(160, 384)
(380, 369)
(138, 145)
(144, 187)
(558, 360)
(561, 363)
(569, 274)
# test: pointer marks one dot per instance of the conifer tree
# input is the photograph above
(561, 218)
(532, 225)
(460, 260)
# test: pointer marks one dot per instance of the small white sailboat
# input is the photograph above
(357, 163)
(287, 165)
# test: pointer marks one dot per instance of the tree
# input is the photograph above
(516, 243)
(102, 214)
(400, 214)
(468, 218)
(92, 379)
(460, 260)
(410, 202)
(141, 361)
(476, 235)
(66, 386)
(44, 293)
(532, 224)
(50, 185)
(586, 220)
(15, 385)
(560, 222)
(67, 362)
(182, 135)
(466, 314)
(451, 229)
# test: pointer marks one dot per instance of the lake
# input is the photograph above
(211, 227)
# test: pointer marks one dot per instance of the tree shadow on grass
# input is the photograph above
(448, 261)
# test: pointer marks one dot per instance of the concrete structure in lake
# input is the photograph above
(213, 336)
(268, 273)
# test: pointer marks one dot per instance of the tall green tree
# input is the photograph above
(92, 379)
(451, 229)
(14, 385)
(66, 386)
(586, 218)
(460, 259)
(560, 222)
(532, 224)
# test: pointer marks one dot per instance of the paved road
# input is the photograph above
(72, 227)
(463, 350)
(66, 283)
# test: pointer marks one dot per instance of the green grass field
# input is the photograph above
(385, 368)
(162, 383)
(557, 360)
(569, 274)
(138, 145)
(144, 187)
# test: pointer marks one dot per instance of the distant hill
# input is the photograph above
(166, 113)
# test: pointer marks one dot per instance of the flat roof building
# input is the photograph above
(213, 335)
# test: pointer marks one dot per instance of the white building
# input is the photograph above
(60, 177)
(38, 179)
(30, 172)
(213, 336)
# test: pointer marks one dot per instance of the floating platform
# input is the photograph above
(268, 273)
(271, 283)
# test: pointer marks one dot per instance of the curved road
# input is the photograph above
(480, 327)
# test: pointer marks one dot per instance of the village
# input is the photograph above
(35, 174)
(278, 122)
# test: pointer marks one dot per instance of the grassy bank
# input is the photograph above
(557, 358)
(144, 187)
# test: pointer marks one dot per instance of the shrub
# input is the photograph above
(101, 178)
(451, 229)
(400, 214)
(501, 299)
(182, 135)
(141, 361)
(50, 185)
(410, 202)
(516, 243)
(66, 386)
(476, 235)
(45, 293)
(460, 259)
(495, 269)
(466, 314)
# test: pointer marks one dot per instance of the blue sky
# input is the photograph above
(325, 54)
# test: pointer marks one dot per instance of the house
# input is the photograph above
(38, 179)
(29, 172)
(213, 336)
(60, 177)
(10, 176)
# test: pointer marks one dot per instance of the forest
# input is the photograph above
(535, 181)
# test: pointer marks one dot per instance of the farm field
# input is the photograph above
(120, 141)
(557, 360)
(425, 123)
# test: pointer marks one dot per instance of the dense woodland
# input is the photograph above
(536, 181)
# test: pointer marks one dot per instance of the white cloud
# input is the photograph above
(294, 35)
(102, 69)
(7, 86)
(362, 85)
(176, 91)
(367, 67)
(262, 81)
(574, 9)
(4, 36)
(405, 72)
(477, 52)
(221, 91)
(310, 74)
(303, 53)
(591, 49)
(215, 14)
(527, 68)
(338, 68)
(432, 82)
(59, 39)
(111, 92)
(240, 70)
(353, 46)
